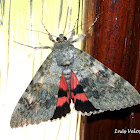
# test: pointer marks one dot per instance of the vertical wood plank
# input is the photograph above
(115, 42)
(18, 64)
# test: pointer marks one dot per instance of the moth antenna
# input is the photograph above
(50, 36)
(43, 47)
(66, 19)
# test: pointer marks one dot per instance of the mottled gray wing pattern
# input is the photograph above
(105, 89)
(38, 102)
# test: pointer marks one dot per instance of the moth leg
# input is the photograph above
(43, 47)
(81, 37)
(50, 36)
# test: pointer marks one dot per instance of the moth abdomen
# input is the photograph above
(67, 74)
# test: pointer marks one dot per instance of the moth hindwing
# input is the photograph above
(71, 74)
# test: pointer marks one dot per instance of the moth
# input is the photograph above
(69, 74)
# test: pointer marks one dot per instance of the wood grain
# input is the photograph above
(115, 41)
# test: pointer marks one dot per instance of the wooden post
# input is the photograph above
(18, 64)
(115, 41)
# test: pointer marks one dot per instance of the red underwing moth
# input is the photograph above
(69, 74)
